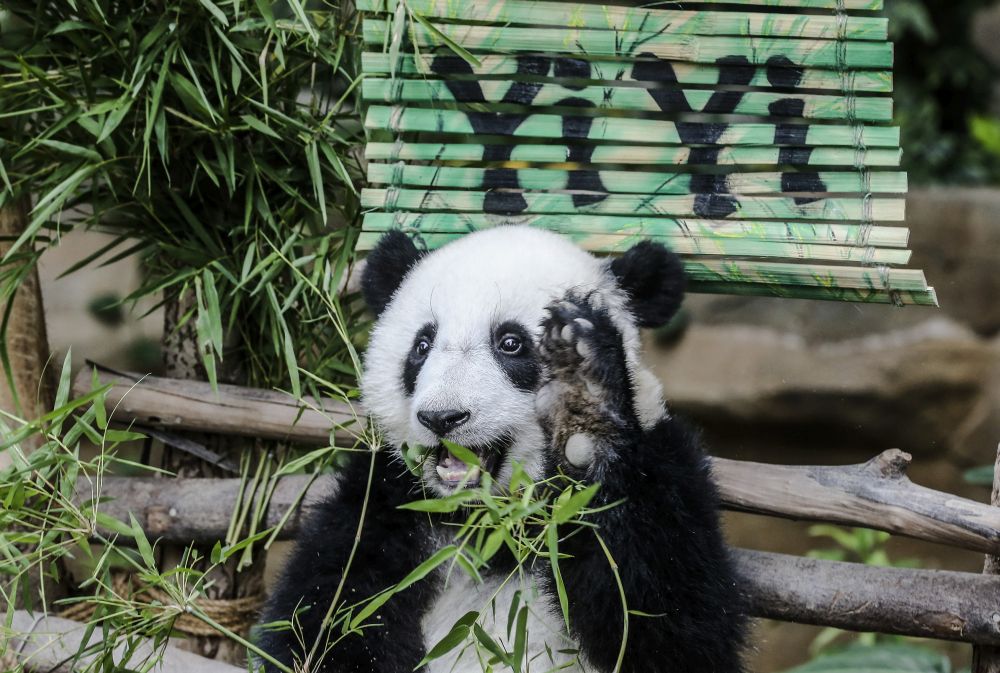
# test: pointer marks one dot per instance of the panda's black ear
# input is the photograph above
(385, 267)
(653, 278)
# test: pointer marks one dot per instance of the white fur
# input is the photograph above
(467, 288)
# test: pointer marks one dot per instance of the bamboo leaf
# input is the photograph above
(569, 508)
(552, 542)
(455, 637)
(446, 40)
(219, 15)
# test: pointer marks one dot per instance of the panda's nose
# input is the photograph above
(442, 422)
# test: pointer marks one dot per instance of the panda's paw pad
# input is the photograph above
(581, 344)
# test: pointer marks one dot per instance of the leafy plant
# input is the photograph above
(884, 658)
(942, 86)
(214, 139)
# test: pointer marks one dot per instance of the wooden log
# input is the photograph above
(175, 404)
(927, 603)
(876, 494)
(986, 658)
(50, 644)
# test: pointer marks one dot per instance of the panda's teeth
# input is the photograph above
(469, 475)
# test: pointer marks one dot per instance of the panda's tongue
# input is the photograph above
(453, 470)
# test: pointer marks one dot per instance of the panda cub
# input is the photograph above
(519, 345)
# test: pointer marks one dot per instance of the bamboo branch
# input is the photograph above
(50, 644)
(876, 494)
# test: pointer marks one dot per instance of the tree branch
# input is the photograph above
(876, 494)
(926, 603)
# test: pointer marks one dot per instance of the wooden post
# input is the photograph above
(986, 658)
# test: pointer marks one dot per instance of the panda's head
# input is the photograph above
(454, 354)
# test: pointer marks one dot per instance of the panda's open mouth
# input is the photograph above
(454, 472)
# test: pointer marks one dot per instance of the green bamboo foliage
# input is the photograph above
(753, 143)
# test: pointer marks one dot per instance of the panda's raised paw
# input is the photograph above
(586, 403)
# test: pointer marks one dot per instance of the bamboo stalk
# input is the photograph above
(925, 297)
(636, 154)
(708, 247)
(645, 131)
(627, 98)
(847, 5)
(615, 71)
(819, 233)
(667, 45)
(736, 207)
(627, 19)
(647, 182)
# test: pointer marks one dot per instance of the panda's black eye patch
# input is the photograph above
(422, 344)
(515, 353)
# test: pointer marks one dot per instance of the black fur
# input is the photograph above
(523, 369)
(393, 543)
(665, 536)
(653, 278)
(385, 267)
(415, 360)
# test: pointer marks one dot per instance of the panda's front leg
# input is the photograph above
(683, 603)
(586, 404)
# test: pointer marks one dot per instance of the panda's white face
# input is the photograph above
(453, 354)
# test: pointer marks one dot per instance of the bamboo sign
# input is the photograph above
(753, 142)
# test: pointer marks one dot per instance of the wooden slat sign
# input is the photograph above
(752, 137)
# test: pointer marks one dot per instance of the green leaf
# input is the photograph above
(72, 150)
(566, 510)
(300, 14)
(259, 126)
(889, 658)
(447, 504)
(552, 541)
(979, 476)
(520, 640)
(415, 575)
(492, 646)
(145, 550)
(455, 637)
(463, 454)
(450, 43)
(112, 524)
(312, 159)
(215, 11)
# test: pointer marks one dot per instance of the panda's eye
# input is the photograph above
(421, 347)
(510, 344)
